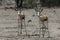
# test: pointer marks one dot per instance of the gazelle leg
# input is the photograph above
(48, 29)
(43, 33)
(18, 27)
(40, 28)
(25, 27)
(21, 28)
(43, 29)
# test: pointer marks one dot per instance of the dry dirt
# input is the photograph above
(9, 24)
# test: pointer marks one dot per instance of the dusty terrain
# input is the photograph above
(9, 24)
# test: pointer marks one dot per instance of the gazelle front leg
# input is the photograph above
(25, 27)
(18, 25)
(21, 27)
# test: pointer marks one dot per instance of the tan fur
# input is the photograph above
(43, 18)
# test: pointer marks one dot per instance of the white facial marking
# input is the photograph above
(18, 12)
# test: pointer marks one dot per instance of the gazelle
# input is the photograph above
(21, 18)
(43, 27)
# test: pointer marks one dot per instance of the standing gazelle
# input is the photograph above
(43, 27)
(21, 19)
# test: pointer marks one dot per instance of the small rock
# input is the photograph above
(29, 21)
(33, 15)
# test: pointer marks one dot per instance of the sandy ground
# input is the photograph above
(9, 24)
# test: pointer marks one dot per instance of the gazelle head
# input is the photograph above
(20, 12)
